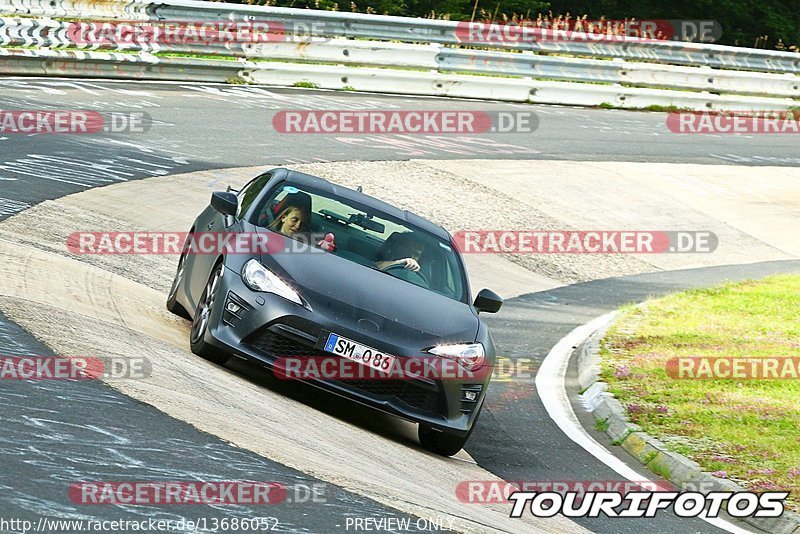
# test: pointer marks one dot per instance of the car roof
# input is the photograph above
(321, 184)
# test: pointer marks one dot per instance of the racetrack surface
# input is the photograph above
(56, 433)
(109, 314)
(213, 126)
(514, 439)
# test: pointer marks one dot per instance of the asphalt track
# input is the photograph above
(88, 431)
(220, 126)
(56, 433)
(525, 444)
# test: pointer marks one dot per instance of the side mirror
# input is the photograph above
(488, 301)
(224, 202)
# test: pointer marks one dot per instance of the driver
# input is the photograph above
(400, 249)
(290, 221)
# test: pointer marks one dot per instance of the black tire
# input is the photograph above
(172, 304)
(442, 443)
(202, 318)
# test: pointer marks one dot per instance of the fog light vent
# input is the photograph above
(470, 393)
(235, 309)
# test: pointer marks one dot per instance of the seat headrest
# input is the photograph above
(300, 199)
(396, 246)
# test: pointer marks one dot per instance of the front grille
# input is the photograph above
(404, 390)
(415, 394)
(276, 345)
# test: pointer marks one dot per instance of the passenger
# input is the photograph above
(403, 246)
(290, 221)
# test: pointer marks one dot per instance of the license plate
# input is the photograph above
(347, 348)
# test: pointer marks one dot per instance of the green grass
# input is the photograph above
(658, 107)
(652, 107)
(601, 426)
(306, 85)
(747, 428)
(219, 57)
(659, 469)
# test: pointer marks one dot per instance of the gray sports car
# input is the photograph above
(374, 296)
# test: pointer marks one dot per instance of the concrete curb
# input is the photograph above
(678, 469)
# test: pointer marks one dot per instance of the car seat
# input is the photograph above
(389, 250)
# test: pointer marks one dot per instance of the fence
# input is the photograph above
(384, 54)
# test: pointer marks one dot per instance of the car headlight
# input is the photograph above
(471, 356)
(259, 278)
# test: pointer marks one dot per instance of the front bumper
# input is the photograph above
(266, 327)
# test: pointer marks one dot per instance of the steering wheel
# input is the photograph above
(415, 277)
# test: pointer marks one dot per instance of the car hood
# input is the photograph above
(363, 299)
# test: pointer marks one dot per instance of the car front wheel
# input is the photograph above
(202, 318)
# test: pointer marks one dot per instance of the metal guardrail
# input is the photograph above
(22, 32)
(107, 9)
(340, 62)
(404, 29)
(82, 64)
(95, 64)
(619, 72)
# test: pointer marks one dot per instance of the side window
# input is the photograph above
(250, 192)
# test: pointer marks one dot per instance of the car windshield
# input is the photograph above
(368, 237)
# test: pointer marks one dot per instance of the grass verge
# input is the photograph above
(744, 429)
